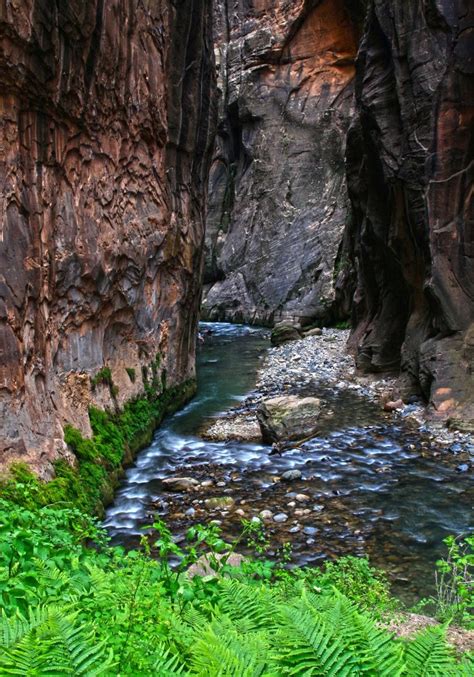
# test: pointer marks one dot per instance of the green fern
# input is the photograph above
(428, 655)
(49, 642)
(167, 665)
(309, 647)
(220, 651)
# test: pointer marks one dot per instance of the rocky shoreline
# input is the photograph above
(316, 364)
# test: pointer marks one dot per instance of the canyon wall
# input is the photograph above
(106, 126)
(410, 176)
(278, 199)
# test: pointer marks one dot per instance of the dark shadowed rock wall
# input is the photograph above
(278, 197)
(105, 136)
(410, 177)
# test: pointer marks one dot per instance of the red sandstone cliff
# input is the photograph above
(106, 117)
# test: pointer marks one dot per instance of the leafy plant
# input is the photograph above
(455, 581)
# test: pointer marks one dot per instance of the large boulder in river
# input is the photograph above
(284, 332)
(288, 418)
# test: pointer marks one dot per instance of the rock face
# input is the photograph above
(106, 120)
(278, 198)
(288, 418)
(410, 170)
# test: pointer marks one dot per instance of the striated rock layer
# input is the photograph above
(410, 171)
(278, 197)
(105, 133)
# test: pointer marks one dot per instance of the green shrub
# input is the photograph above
(73, 609)
(104, 376)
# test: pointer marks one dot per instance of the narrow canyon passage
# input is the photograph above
(374, 486)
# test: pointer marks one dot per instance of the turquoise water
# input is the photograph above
(373, 487)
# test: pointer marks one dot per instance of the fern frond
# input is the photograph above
(428, 654)
(50, 642)
(166, 664)
(221, 651)
(253, 605)
(305, 645)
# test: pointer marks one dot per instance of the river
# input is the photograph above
(375, 487)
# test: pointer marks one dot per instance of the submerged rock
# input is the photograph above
(280, 517)
(180, 483)
(291, 475)
(219, 502)
(288, 418)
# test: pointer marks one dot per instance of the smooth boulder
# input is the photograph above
(288, 418)
(284, 332)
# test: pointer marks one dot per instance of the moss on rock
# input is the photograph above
(116, 438)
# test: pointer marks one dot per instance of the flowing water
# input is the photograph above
(375, 487)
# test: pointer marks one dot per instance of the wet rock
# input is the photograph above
(393, 405)
(179, 483)
(288, 418)
(219, 502)
(190, 512)
(295, 529)
(207, 483)
(280, 517)
(463, 467)
(266, 514)
(291, 475)
(310, 531)
(282, 333)
(302, 498)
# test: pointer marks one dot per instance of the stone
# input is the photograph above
(393, 405)
(318, 508)
(310, 531)
(190, 512)
(204, 565)
(314, 332)
(219, 502)
(288, 418)
(284, 333)
(179, 483)
(291, 475)
(302, 498)
(280, 517)
(101, 209)
(266, 515)
(240, 512)
(205, 484)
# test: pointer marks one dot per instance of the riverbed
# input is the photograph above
(371, 483)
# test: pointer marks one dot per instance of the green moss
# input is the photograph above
(116, 438)
(131, 373)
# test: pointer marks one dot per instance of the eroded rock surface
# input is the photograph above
(410, 170)
(106, 121)
(278, 198)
